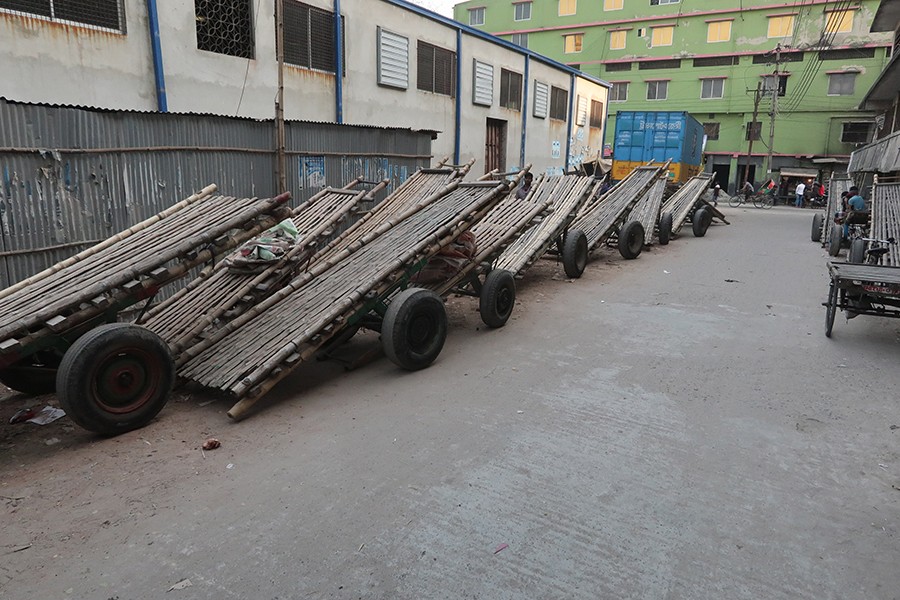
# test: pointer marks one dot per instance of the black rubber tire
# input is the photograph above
(414, 329)
(834, 244)
(831, 308)
(631, 240)
(498, 296)
(115, 378)
(700, 222)
(665, 228)
(735, 200)
(29, 379)
(857, 253)
(818, 221)
(575, 253)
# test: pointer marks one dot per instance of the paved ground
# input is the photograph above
(672, 427)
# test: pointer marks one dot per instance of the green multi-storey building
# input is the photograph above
(808, 62)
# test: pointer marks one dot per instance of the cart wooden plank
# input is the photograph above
(565, 195)
(253, 352)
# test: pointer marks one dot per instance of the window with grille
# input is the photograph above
(510, 89)
(661, 36)
(622, 66)
(619, 91)
(780, 27)
(520, 39)
(596, 113)
(718, 31)
(225, 27)
(717, 61)
(522, 11)
(483, 83)
(541, 99)
(108, 14)
(559, 103)
(393, 59)
(856, 132)
(711, 130)
(657, 90)
(661, 2)
(649, 65)
(567, 7)
(617, 40)
(436, 69)
(769, 84)
(573, 43)
(309, 37)
(476, 16)
(753, 130)
(839, 21)
(841, 84)
(847, 54)
(769, 58)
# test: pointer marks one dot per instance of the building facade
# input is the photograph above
(809, 62)
(397, 65)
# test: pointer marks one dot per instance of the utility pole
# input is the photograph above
(776, 87)
(280, 175)
(756, 100)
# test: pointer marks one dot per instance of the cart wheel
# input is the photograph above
(818, 221)
(631, 240)
(857, 254)
(736, 200)
(498, 295)
(665, 228)
(700, 222)
(115, 378)
(29, 378)
(575, 254)
(831, 308)
(834, 244)
(414, 328)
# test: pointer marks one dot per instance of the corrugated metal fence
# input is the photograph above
(70, 177)
(882, 156)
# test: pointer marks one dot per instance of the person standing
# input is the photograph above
(800, 191)
(522, 192)
(716, 191)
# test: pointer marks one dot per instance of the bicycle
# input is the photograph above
(759, 200)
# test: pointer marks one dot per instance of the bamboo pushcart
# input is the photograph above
(59, 329)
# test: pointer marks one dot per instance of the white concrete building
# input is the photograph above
(399, 66)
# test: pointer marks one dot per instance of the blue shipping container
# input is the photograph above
(643, 136)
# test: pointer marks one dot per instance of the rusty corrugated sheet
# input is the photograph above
(70, 177)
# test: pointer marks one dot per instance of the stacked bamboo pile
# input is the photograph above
(422, 188)
(499, 229)
(601, 216)
(647, 209)
(566, 195)
(886, 219)
(250, 354)
(836, 187)
(133, 264)
(681, 203)
(219, 293)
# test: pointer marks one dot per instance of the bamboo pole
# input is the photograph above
(205, 192)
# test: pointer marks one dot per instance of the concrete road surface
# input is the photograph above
(676, 426)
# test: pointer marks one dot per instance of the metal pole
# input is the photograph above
(776, 81)
(752, 123)
(339, 63)
(280, 175)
